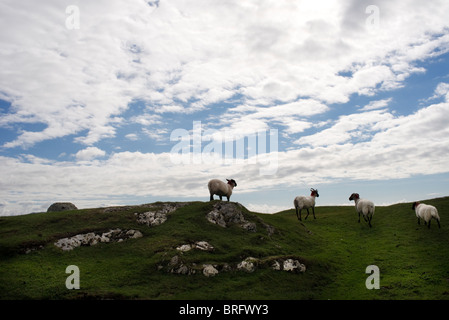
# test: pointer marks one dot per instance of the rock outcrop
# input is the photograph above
(209, 270)
(226, 214)
(151, 218)
(201, 245)
(289, 264)
(92, 238)
(61, 206)
(158, 213)
(248, 265)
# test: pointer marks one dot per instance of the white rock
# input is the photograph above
(151, 218)
(293, 265)
(203, 245)
(134, 234)
(91, 239)
(276, 265)
(184, 248)
(209, 270)
(248, 265)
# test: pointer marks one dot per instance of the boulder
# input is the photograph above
(209, 270)
(248, 265)
(226, 214)
(294, 266)
(184, 247)
(177, 266)
(61, 206)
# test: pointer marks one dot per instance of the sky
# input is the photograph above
(113, 102)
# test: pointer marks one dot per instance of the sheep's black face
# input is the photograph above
(232, 182)
(354, 196)
(413, 205)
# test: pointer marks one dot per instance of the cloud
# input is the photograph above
(249, 119)
(89, 153)
(402, 147)
(183, 58)
(377, 104)
(132, 136)
(442, 90)
(348, 128)
(238, 66)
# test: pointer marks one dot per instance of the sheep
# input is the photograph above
(426, 212)
(365, 207)
(304, 202)
(220, 188)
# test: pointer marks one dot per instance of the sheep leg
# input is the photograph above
(307, 214)
(221, 198)
(438, 224)
(359, 217)
(428, 226)
(313, 211)
(227, 198)
(369, 221)
(211, 197)
(419, 222)
(298, 213)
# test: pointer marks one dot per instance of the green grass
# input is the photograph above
(413, 260)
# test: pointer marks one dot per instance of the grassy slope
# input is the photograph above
(413, 260)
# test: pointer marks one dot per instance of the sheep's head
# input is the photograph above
(314, 192)
(354, 196)
(414, 205)
(232, 182)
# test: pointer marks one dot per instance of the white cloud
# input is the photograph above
(406, 146)
(182, 58)
(265, 208)
(442, 90)
(278, 63)
(249, 119)
(132, 136)
(359, 126)
(376, 104)
(89, 153)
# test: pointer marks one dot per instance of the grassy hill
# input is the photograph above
(413, 260)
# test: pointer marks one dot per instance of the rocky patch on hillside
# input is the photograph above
(158, 213)
(176, 265)
(226, 214)
(92, 238)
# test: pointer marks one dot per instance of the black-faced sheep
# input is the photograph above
(220, 188)
(305, 202)
(426, 212)
(364, 207)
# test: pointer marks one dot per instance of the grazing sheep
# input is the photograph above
(220, 188)
(304, 202)
(364, 207)
(426, 212)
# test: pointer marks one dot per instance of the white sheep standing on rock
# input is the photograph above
(220, 188)
(305, 202)
(426, 212)
(364, 207)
